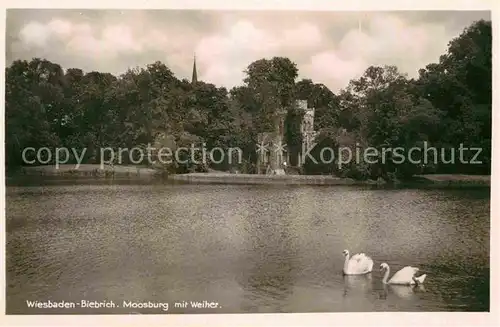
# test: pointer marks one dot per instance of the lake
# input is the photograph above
(250, 249)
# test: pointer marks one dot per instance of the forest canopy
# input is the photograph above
(448, 104)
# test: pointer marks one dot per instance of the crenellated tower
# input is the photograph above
(306, 129)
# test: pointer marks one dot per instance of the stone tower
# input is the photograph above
(271, 161)
(278, 151)
(306, 129)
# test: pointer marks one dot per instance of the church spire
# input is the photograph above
(194, 79)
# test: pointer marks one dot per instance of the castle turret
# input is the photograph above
(306, 129)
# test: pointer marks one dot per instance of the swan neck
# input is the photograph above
(386, 275)
(346, 262)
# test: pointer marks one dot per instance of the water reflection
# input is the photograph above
(253, 249)
(269, 253)
(356, 284)
(404, 292)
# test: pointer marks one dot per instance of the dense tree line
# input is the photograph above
(448, 104)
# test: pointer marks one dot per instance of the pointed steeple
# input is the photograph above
(194, 78)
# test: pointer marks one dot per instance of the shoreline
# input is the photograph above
(149, 175)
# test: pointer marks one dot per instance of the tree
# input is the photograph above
(449, 104)
(459, 85)
(33, 94)
(388, 114)
(272, 85)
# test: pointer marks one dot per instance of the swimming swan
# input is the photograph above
(358, 264)
(405, 276)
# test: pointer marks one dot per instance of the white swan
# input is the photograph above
(405, 276)
(358, 264)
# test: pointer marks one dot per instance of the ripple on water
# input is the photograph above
(252, 249)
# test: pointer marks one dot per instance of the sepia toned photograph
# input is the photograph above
(236, 162)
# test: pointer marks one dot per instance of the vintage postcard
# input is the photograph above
(223, 163)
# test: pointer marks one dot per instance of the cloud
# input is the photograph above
(225, 55)
(34, 34)
(383, 40)
(380, 40)
(328, 68)
(305, 35)
(330, 48)
(82, 39)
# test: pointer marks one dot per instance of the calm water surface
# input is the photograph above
(249, 248)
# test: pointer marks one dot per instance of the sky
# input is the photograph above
(328, 47)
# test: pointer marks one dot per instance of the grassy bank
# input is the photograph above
(86, 170)
(450, 180)
(215, 177)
